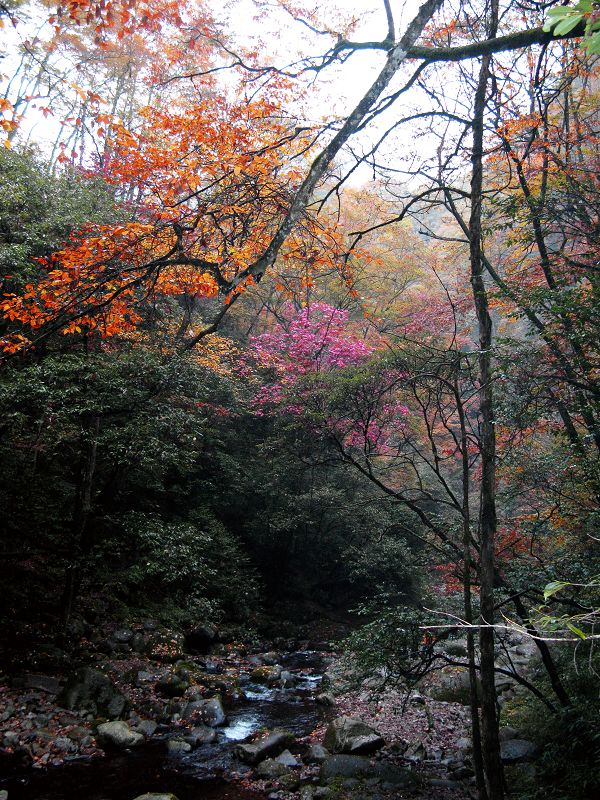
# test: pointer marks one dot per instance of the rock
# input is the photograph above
(317, 754)
(462, 773)
(155, 796)
(269, 745)
(266, 674)
(178, 747)
(270, 659)
(394, 777)
(118, 734)
(507, 733)
(286, 679)
(347, 735)
(166, 647)
(122, 635)
(442, 783)
(147, 727)
(287, 759)
(464, 743)
(201, 734)
(171, 686)
(91, 690)
(415, 752)
(65, 745)
(325, 699)
(210, 712)
(456, 648)
(513, 751)
(453, 686)
(138, 642)
(200, 638)
(271, 769)
(11, 738)
(44, 683)
(3, 794)
(345, 766)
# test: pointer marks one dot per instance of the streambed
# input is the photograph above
(207, 773)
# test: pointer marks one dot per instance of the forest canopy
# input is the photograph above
(300, 306)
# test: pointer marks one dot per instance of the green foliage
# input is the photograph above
(569, 766)
(38, 211)
(564, 19)
(392, 643)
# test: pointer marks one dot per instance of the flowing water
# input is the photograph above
(203, 774)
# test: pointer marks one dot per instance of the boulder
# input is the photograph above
(325, 699)
(269, 768)
(266, 674)
(118, 734)
(513, 751)
(176, 747)
(200, 638)
(122, 635)
(166, 647)
(171, 686)
(147, 727)
(210, 712)
(347, 735)
(287, 680)
(201, 734)
(345, 766)
(91, 690)
(269, 745)
(456, 647)
(44, 683)
(287, 759)
(317, 754)
(156, 796)
(507, 733)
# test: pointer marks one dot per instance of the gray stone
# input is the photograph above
(464, 743)
(138, 642)
(271, 744)
(507, 733)
(286, 679)
(347, 735)
(345, 766)
(394, 777)
(155, 796)
(44, 683)
(210, 712)
(118, 734)
(513, 751)
(317, 754)
(171, 686)
(91, 690)
(287, 759)
(325, 699)
(415, 752)
(269, 768)
(122, 635)
(266, 674)
(456, 648)
(147, 727)
(65, 745)
(201, 734)
(178, 746)
(200, 638)
(3, 794)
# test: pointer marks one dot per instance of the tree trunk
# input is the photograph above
(487, 514)
(90, 425)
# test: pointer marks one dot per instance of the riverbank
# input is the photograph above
(179, 718)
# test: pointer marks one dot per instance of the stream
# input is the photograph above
(204, 773)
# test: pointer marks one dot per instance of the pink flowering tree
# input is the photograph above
(323, 374)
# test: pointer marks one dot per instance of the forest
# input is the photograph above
(299, 430)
